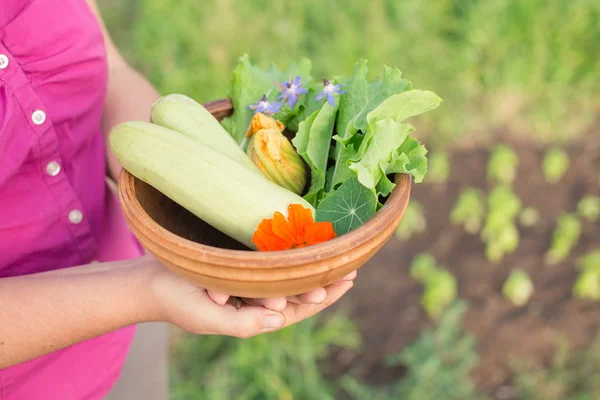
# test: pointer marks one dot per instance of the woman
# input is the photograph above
(73, 281)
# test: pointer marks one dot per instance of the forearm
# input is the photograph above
(45, 312)
(130, 97)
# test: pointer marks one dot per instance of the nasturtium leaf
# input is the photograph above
(350, 206)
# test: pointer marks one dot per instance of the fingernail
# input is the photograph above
(273, 321)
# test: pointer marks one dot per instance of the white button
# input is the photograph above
(3, 61)
(75, 216)
(38, 117)
(52, 168)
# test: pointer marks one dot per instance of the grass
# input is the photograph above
(525, 66)
(278, 366)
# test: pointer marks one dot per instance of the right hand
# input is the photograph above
(192, 309)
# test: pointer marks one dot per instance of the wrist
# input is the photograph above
(146, 272)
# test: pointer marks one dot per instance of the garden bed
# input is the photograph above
(385, 300)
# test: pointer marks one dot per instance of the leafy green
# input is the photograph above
(250, 83)
(499, 231)
(361, 97)
(469, 210)
(529, 216)
(502, 165)
(350, 206)
(440, 285)
(589, 208)
(518, 287)
(555, 164)
(312, 142)
(564, 238)
(409, 158)
(382, 141)
(587, 285)
(386, 147)
(590, 261)
(421, 267)
(404, 105)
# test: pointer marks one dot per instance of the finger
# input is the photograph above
(244, 322)
(350, 277)
(316, 296)
(218, 297)
(298, 312)
(275, 304)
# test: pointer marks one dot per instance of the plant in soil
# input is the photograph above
(469, 210)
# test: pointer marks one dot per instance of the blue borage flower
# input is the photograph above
(329, 90)
(290, 91)
(265, 106)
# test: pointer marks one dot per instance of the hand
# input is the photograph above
(195, 310)
(317, 296)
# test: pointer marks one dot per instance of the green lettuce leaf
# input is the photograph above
(405, 105)
(410, 159)
(386, 147)
(350, 206)
(386, 136)
(361, 97)
(312, 142)
(250, 83)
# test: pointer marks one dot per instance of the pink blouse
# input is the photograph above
(56, 208)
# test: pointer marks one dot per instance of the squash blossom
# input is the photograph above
(274, 154)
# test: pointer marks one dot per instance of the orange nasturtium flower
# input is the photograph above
(299, 230)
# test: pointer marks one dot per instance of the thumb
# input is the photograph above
(243, 322)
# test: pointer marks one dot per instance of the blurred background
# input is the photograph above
(514, 150)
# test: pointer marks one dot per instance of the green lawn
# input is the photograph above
(529, 66)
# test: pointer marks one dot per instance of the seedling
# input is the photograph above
(502, 165)
(589, 208)
(587, 285)
(529, 217)
(440, 286)
(518, 287)
(565, 237)
(555, 164)
(499, 231)
(469, 210)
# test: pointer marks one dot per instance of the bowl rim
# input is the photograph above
(394, 206)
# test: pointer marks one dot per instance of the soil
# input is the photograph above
(385, 300)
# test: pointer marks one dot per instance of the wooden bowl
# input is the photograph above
(193, 249)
